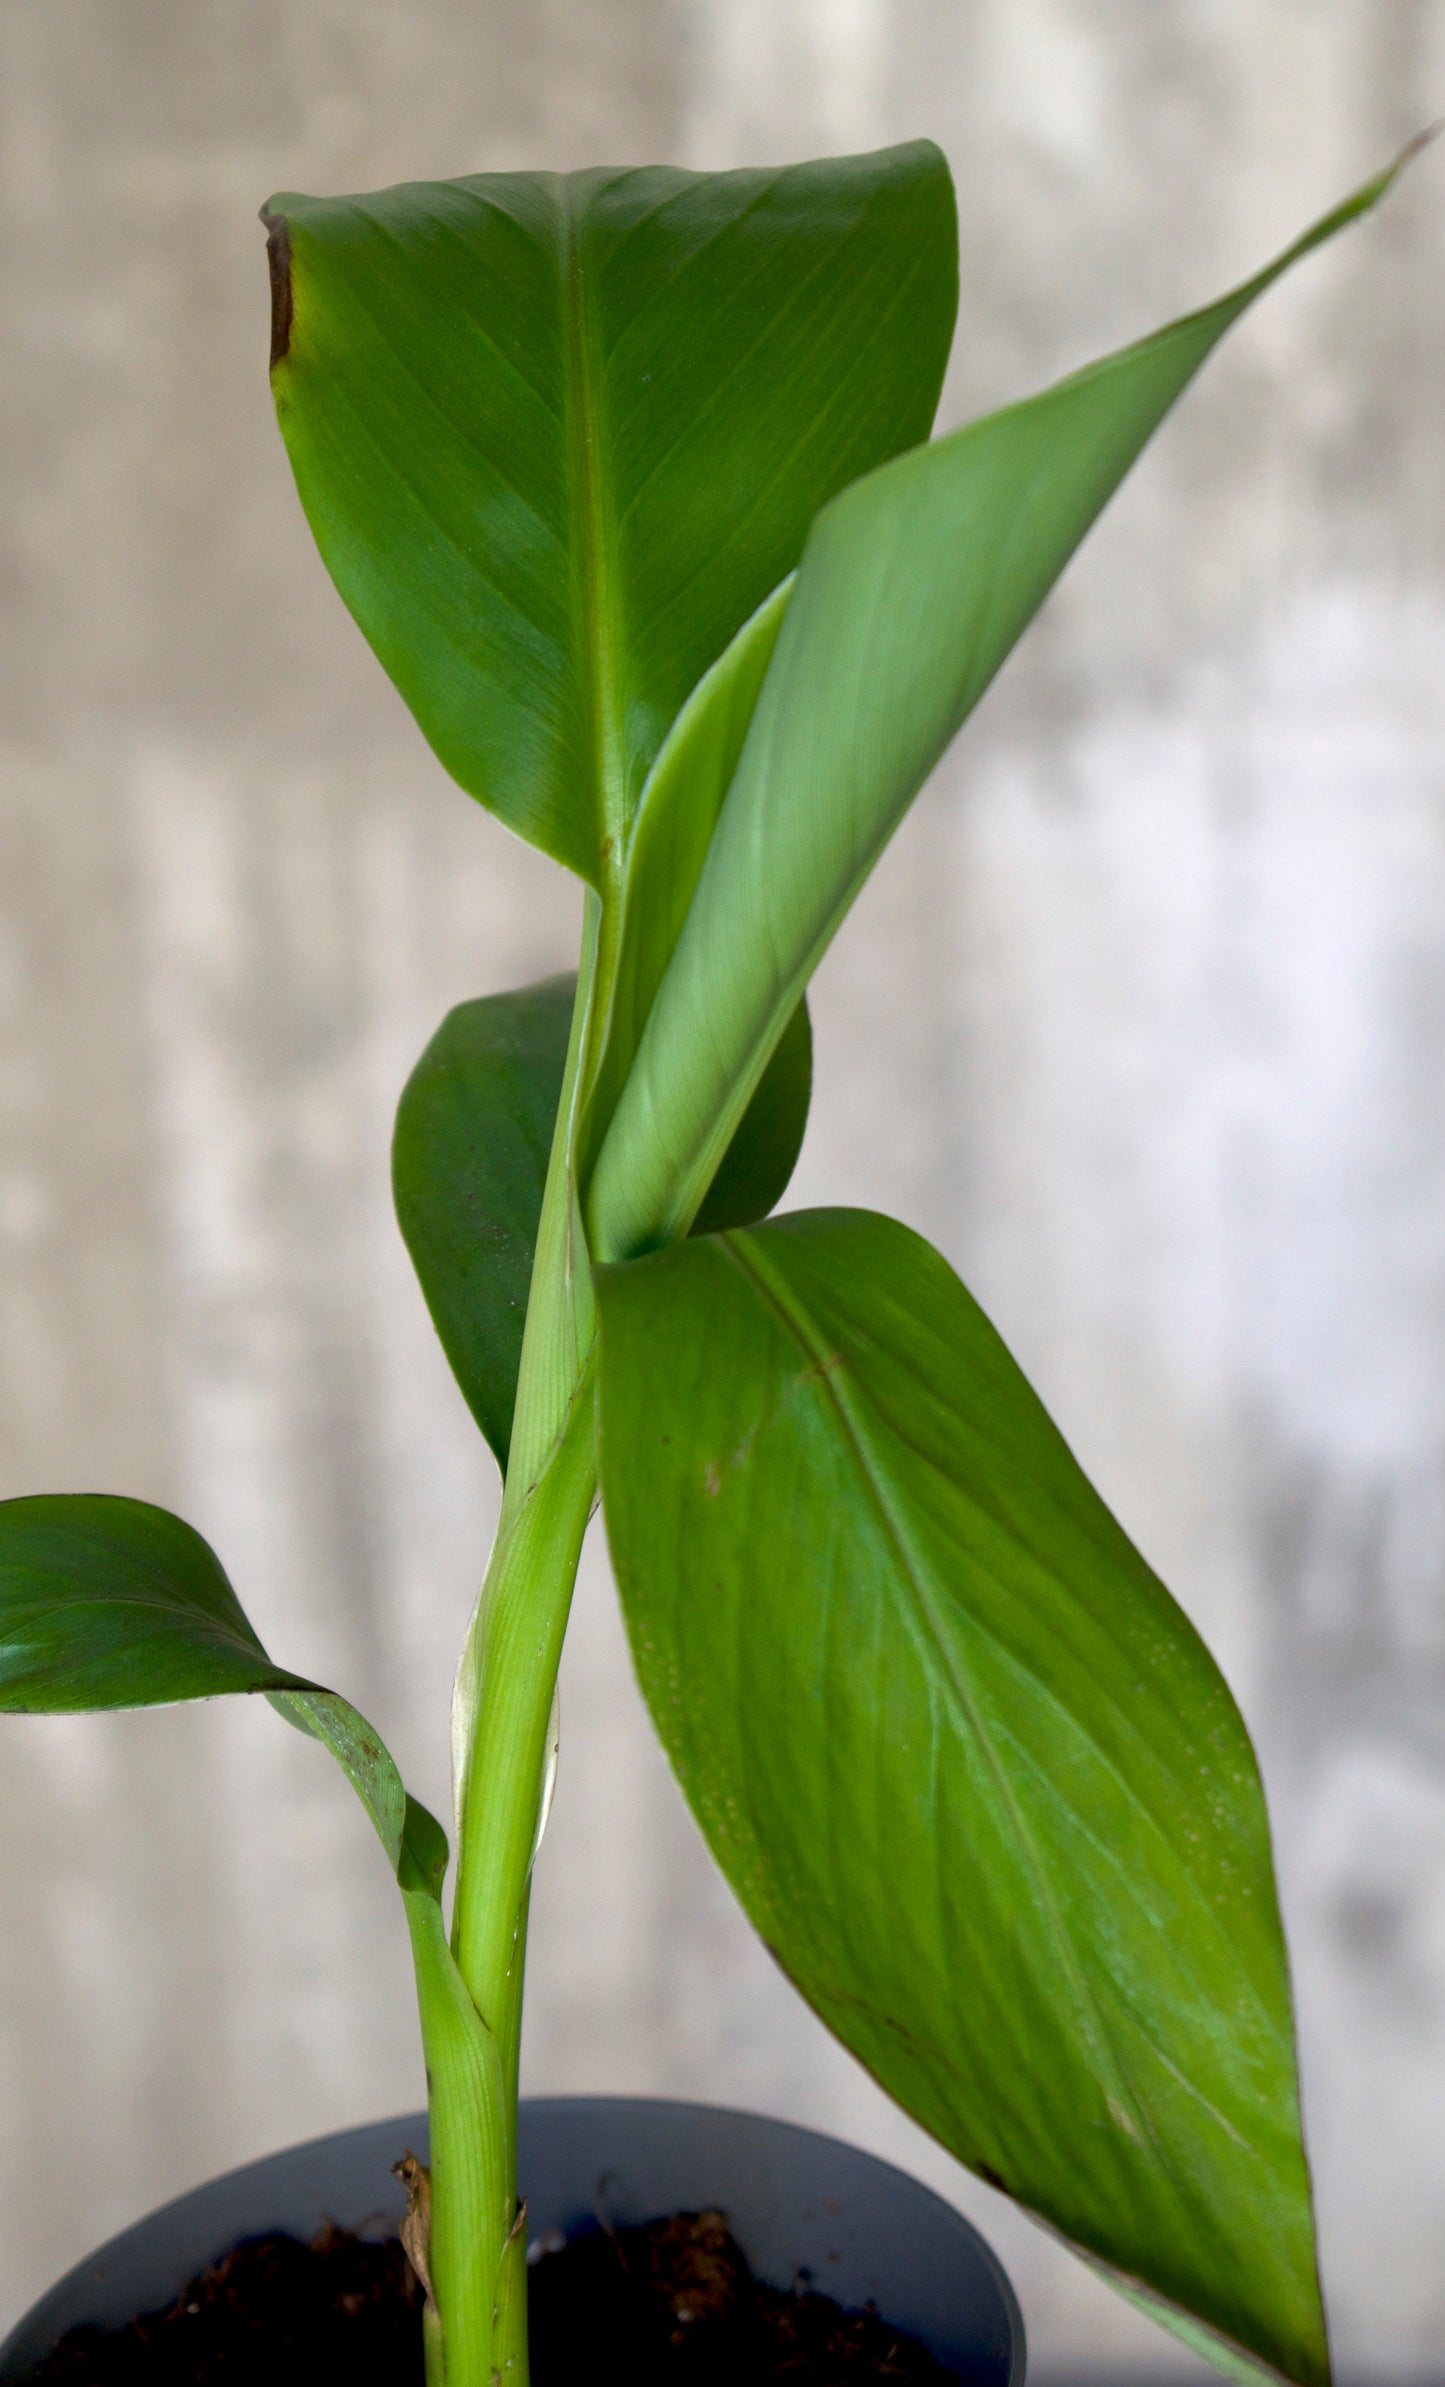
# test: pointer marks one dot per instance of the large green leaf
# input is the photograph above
(558, 436)
(110, 1603)
(913, 587)
(970, 1770)
(469, 1168)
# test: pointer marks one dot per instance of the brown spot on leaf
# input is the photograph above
(283, 304)
(712, 1477)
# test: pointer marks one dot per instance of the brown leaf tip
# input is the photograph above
(283, 305)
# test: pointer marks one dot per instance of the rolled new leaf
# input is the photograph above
(668, 846)
(970, 1770)
(913, 588)
(557, 436)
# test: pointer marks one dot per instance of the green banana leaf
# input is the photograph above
(559, 435)
(971, 1772)
(913, 587)
(109, 1603)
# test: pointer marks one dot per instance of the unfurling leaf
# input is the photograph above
(669, 840)
(913, 587)
(968, 1767)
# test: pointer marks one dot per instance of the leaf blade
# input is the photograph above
(557, 436)
(106, 1602)
(112, 1603)
(965, 1763)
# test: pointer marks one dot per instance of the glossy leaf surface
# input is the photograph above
(114, 1603)
(971, 1772)
(913, 588)
(558, 436)
(111, 1603)
(469, 1168)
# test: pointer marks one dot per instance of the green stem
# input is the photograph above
(471, 1994)
(515, 1651)
(502, 1720)
(433, 2353)
(471, 2153)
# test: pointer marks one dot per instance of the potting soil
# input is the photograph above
(669, 2304)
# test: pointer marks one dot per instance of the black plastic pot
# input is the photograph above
(800, 2205)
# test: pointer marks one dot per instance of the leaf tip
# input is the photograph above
(1422, 140)
(1375, 191)
(283, 304)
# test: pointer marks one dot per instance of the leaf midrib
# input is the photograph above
(596, 591)
(779, 1299)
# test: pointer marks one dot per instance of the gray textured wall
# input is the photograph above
(1142, 1020)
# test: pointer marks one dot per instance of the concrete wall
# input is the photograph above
(1141, 1020)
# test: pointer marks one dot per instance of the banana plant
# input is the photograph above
(627, 479)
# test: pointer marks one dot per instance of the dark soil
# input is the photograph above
(671, 2304)
(276, 2312)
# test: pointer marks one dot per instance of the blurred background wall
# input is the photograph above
(1141, 1020)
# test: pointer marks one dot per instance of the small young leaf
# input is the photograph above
(469, 1168)
(111, 1603)
(971, 1772)
(558, 435)
(913, 588)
